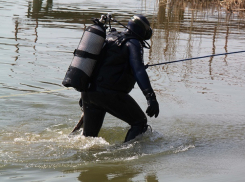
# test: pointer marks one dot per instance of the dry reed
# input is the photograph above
(233, 5)
(229, 5)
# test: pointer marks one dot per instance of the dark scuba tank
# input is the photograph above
(85, 57)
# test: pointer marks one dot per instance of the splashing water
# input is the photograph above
(54, 148)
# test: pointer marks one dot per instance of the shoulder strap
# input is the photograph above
(123, 38)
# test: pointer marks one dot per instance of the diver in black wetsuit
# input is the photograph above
(114, 77)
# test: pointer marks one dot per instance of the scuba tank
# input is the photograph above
(85, 57)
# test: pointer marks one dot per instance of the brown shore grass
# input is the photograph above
(233, 5)
(229, 5)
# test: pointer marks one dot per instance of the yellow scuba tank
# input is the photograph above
(85, 57)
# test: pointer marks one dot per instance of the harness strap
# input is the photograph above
(85, 54)
(123, 38)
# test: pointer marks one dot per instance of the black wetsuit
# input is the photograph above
(98, 100)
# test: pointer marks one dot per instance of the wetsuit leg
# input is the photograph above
(124, 107)
(128, 110)
(93, 117)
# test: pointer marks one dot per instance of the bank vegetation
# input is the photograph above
(233, 5)
(230, 6)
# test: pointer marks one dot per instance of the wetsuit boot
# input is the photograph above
(135, 131)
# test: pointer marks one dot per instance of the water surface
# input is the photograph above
(199, 134)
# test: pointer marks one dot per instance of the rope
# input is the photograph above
(32, 93)
(212, 55)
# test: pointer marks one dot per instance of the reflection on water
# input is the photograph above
(184, 30)
(113, 172)
(201, 124)
(195, 20)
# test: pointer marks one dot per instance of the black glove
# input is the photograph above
(153, 106)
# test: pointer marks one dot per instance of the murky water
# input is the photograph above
(199, 134)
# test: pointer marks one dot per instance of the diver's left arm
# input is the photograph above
(137, 64)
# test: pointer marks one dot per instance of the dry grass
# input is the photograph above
(229, 5)
(233, 5)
